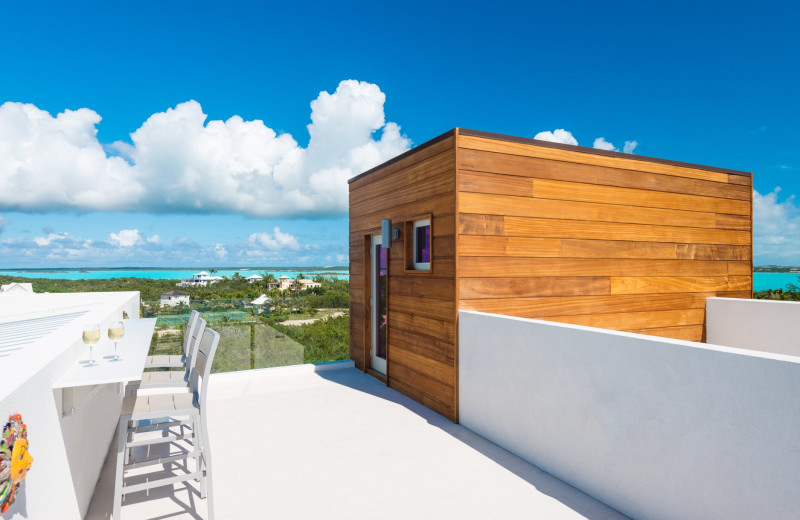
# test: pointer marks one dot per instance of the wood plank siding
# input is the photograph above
(605, 240)
(546, 231)
(421, 305)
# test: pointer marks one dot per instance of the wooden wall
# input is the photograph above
(598, 240)
(421, 352)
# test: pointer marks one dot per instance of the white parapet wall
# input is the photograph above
(765, 325)
(656, 428)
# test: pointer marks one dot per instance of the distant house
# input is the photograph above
(254, 278)
(200, 279)
(174, 298)
(284, 282)
(15, 287)
(309, 284)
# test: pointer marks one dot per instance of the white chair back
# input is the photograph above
(189, 332)
(202, 367)
(194, 341)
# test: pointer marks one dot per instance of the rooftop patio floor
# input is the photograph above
(296, 443)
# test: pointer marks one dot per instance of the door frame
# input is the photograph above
(374, 362)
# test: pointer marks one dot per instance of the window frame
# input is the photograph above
(411, 246)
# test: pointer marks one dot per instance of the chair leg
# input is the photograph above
(199, 447)
(207, 464)
(122, 436)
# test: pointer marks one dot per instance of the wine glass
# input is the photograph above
(91, 335)
(115, 333)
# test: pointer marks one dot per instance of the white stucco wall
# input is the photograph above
(68, 452)
(656, 428)
(764, 325)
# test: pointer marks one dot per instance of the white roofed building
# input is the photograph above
(174, 298)
(200, 279)
(16, 287)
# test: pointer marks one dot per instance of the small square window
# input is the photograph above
(422, 245)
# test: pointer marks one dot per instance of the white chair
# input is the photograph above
(177, 408)
(174, 379)
(175, 361)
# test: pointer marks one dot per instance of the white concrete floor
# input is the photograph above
(291, 443)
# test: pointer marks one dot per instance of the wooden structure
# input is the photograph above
(541, 230)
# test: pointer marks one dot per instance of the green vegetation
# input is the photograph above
(792, 294)
(250, 338)
(148, 289)
(325, 340)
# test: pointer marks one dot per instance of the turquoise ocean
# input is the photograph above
(171, 274)
(764, 281)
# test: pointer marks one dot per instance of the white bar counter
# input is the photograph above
(132, 350)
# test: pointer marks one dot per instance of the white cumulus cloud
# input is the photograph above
(220, 251)
(276, 241)
(629, 146)
(557, 136)
(125, 238)
(180, 162)
(601, 144)
(776, 228)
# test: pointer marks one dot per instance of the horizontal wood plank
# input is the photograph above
(428, 307)
(654, 285)
(481, 182)
(635, 320)
(551, 228)
(427, 385)
(560, 190)
(472, 288)
(443, 330)
(575, 305)
(414, 393)
(430, 287)
(475, 245)
(442, 372)
(422, 345)
(581, 211)
(498, 267)
(687, 333)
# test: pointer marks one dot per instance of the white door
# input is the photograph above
(379, 258)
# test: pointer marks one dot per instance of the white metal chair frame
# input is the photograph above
(175, 361)
(189, 406)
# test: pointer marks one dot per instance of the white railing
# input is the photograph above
(656, 428)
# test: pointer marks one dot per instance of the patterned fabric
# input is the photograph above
(15, 461)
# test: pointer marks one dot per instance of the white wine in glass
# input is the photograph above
(91, 335)
(116, 331)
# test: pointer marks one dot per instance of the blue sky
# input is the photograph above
(704, 82)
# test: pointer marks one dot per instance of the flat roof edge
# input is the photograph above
(595, 151)
(546, 144)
